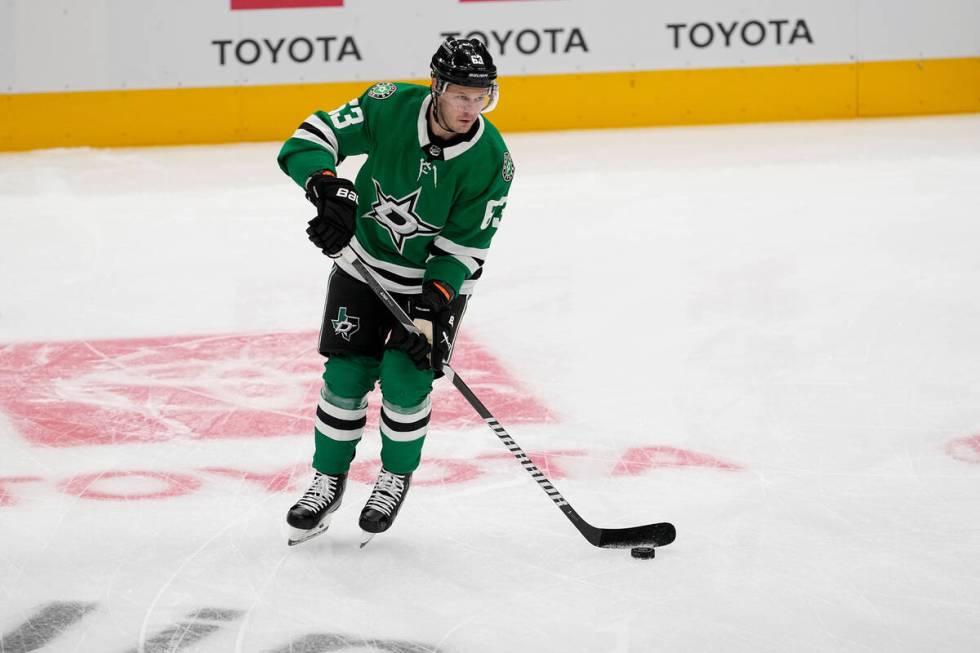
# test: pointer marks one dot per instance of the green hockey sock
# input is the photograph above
(341, 412)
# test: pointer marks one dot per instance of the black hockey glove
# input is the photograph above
(336, 211)
(432, 314)
(413, 344)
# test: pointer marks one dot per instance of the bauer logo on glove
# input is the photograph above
(336, 209)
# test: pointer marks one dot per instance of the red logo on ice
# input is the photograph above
(222, 386)
(283, 4)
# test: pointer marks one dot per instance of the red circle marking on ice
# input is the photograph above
(456, 471)
(173, 485)
(965, 449)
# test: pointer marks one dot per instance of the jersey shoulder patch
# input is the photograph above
(508, 170)
(382, 90)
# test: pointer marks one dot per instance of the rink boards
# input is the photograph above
(153, 72)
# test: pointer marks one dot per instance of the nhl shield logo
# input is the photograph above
(345, 325)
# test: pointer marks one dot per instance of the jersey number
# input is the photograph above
(348, 114)
(493, 213)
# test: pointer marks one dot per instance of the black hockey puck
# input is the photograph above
(643, 552)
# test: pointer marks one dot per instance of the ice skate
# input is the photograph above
(383, 504)
(310, 516)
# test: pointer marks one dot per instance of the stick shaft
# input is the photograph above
(369, 277)
(649, 534)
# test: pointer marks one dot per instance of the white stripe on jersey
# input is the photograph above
(400, 270)
(465, 255)
(388, 285)
(317, 122)
(445, 244)
(471, 264)
(313, 138)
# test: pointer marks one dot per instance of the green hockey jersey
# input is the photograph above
(426, 210)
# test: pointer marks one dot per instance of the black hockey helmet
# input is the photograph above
(465, 62)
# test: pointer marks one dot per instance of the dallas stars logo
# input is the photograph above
(382, 90)
(508, 170)
(398, 216)
(345, 326)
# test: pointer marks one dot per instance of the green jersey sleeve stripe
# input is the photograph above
(316, 125)
(316, 121)
(313, 138)
(447, 245)
(471, 264)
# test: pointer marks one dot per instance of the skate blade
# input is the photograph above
(298, 536)
(366, 537)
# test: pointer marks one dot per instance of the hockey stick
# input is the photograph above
(658, 534)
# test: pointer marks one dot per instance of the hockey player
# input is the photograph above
(421, 214)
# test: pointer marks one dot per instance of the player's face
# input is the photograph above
(459, 106)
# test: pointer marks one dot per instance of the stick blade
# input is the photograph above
(660, 534)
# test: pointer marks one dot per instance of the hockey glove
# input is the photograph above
(336, 210)
(413, 344)
(431, 314)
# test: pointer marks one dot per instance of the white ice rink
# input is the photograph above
(768, 335)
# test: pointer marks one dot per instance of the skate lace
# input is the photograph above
(320, 493)
(387, 492)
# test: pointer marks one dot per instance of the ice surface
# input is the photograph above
(765, 334)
